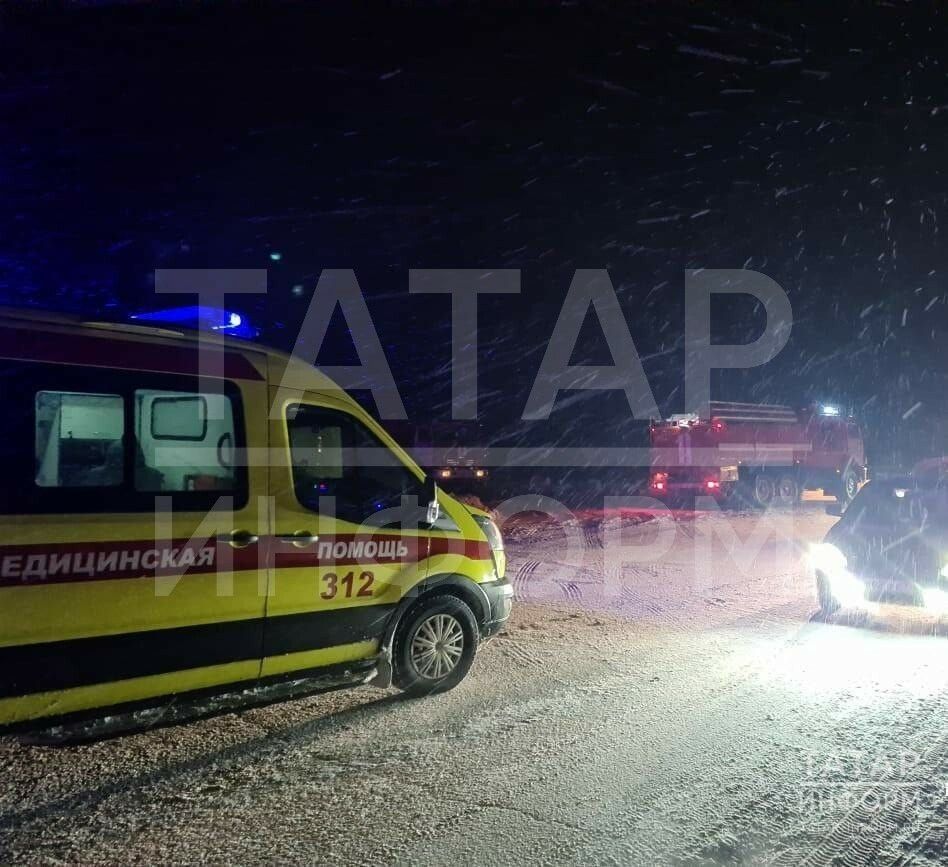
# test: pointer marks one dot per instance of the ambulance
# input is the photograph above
(186, 513)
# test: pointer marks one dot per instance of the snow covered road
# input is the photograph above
(662, 695)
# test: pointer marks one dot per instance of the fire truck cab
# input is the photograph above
(765, 454)
(454, 452)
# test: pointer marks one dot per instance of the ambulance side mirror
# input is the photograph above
(430, 500)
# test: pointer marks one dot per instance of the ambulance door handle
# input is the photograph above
(239, 538)
(299, 539)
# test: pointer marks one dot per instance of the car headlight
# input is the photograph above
(491, 531)
(935, 600)
(847, 589)
(944, 571)
(850, 591)
(827, 558)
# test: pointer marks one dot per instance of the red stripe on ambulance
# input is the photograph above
(26, 565)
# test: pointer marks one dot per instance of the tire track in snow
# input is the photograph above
(522, 577)
(874, 819)
(592, 539)
(571, 590)
(515, 651)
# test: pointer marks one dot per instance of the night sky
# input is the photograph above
(645, 138)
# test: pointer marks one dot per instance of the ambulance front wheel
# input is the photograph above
(434, 646)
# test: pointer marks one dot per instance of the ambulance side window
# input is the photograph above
(333, 455)
(184, 441)
(88, 440)
(78, 439)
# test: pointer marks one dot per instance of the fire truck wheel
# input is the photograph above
(762, 490)
(788, 491)
(848, 487)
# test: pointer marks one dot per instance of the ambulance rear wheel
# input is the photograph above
(434, 646)
(762, 490)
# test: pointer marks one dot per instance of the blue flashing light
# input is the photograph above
(274, 256)
(201, 318)
(826, 409)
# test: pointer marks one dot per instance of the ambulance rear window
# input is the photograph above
(78, 439)
(101, 440)
(183, 441)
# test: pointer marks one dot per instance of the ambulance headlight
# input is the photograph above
(491, 531)
(828, 559)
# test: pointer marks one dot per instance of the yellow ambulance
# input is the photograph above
(188, 513)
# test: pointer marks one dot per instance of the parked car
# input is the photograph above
(890, 546)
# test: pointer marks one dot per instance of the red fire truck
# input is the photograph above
(760, 453)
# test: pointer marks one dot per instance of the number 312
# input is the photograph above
(332, 581)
